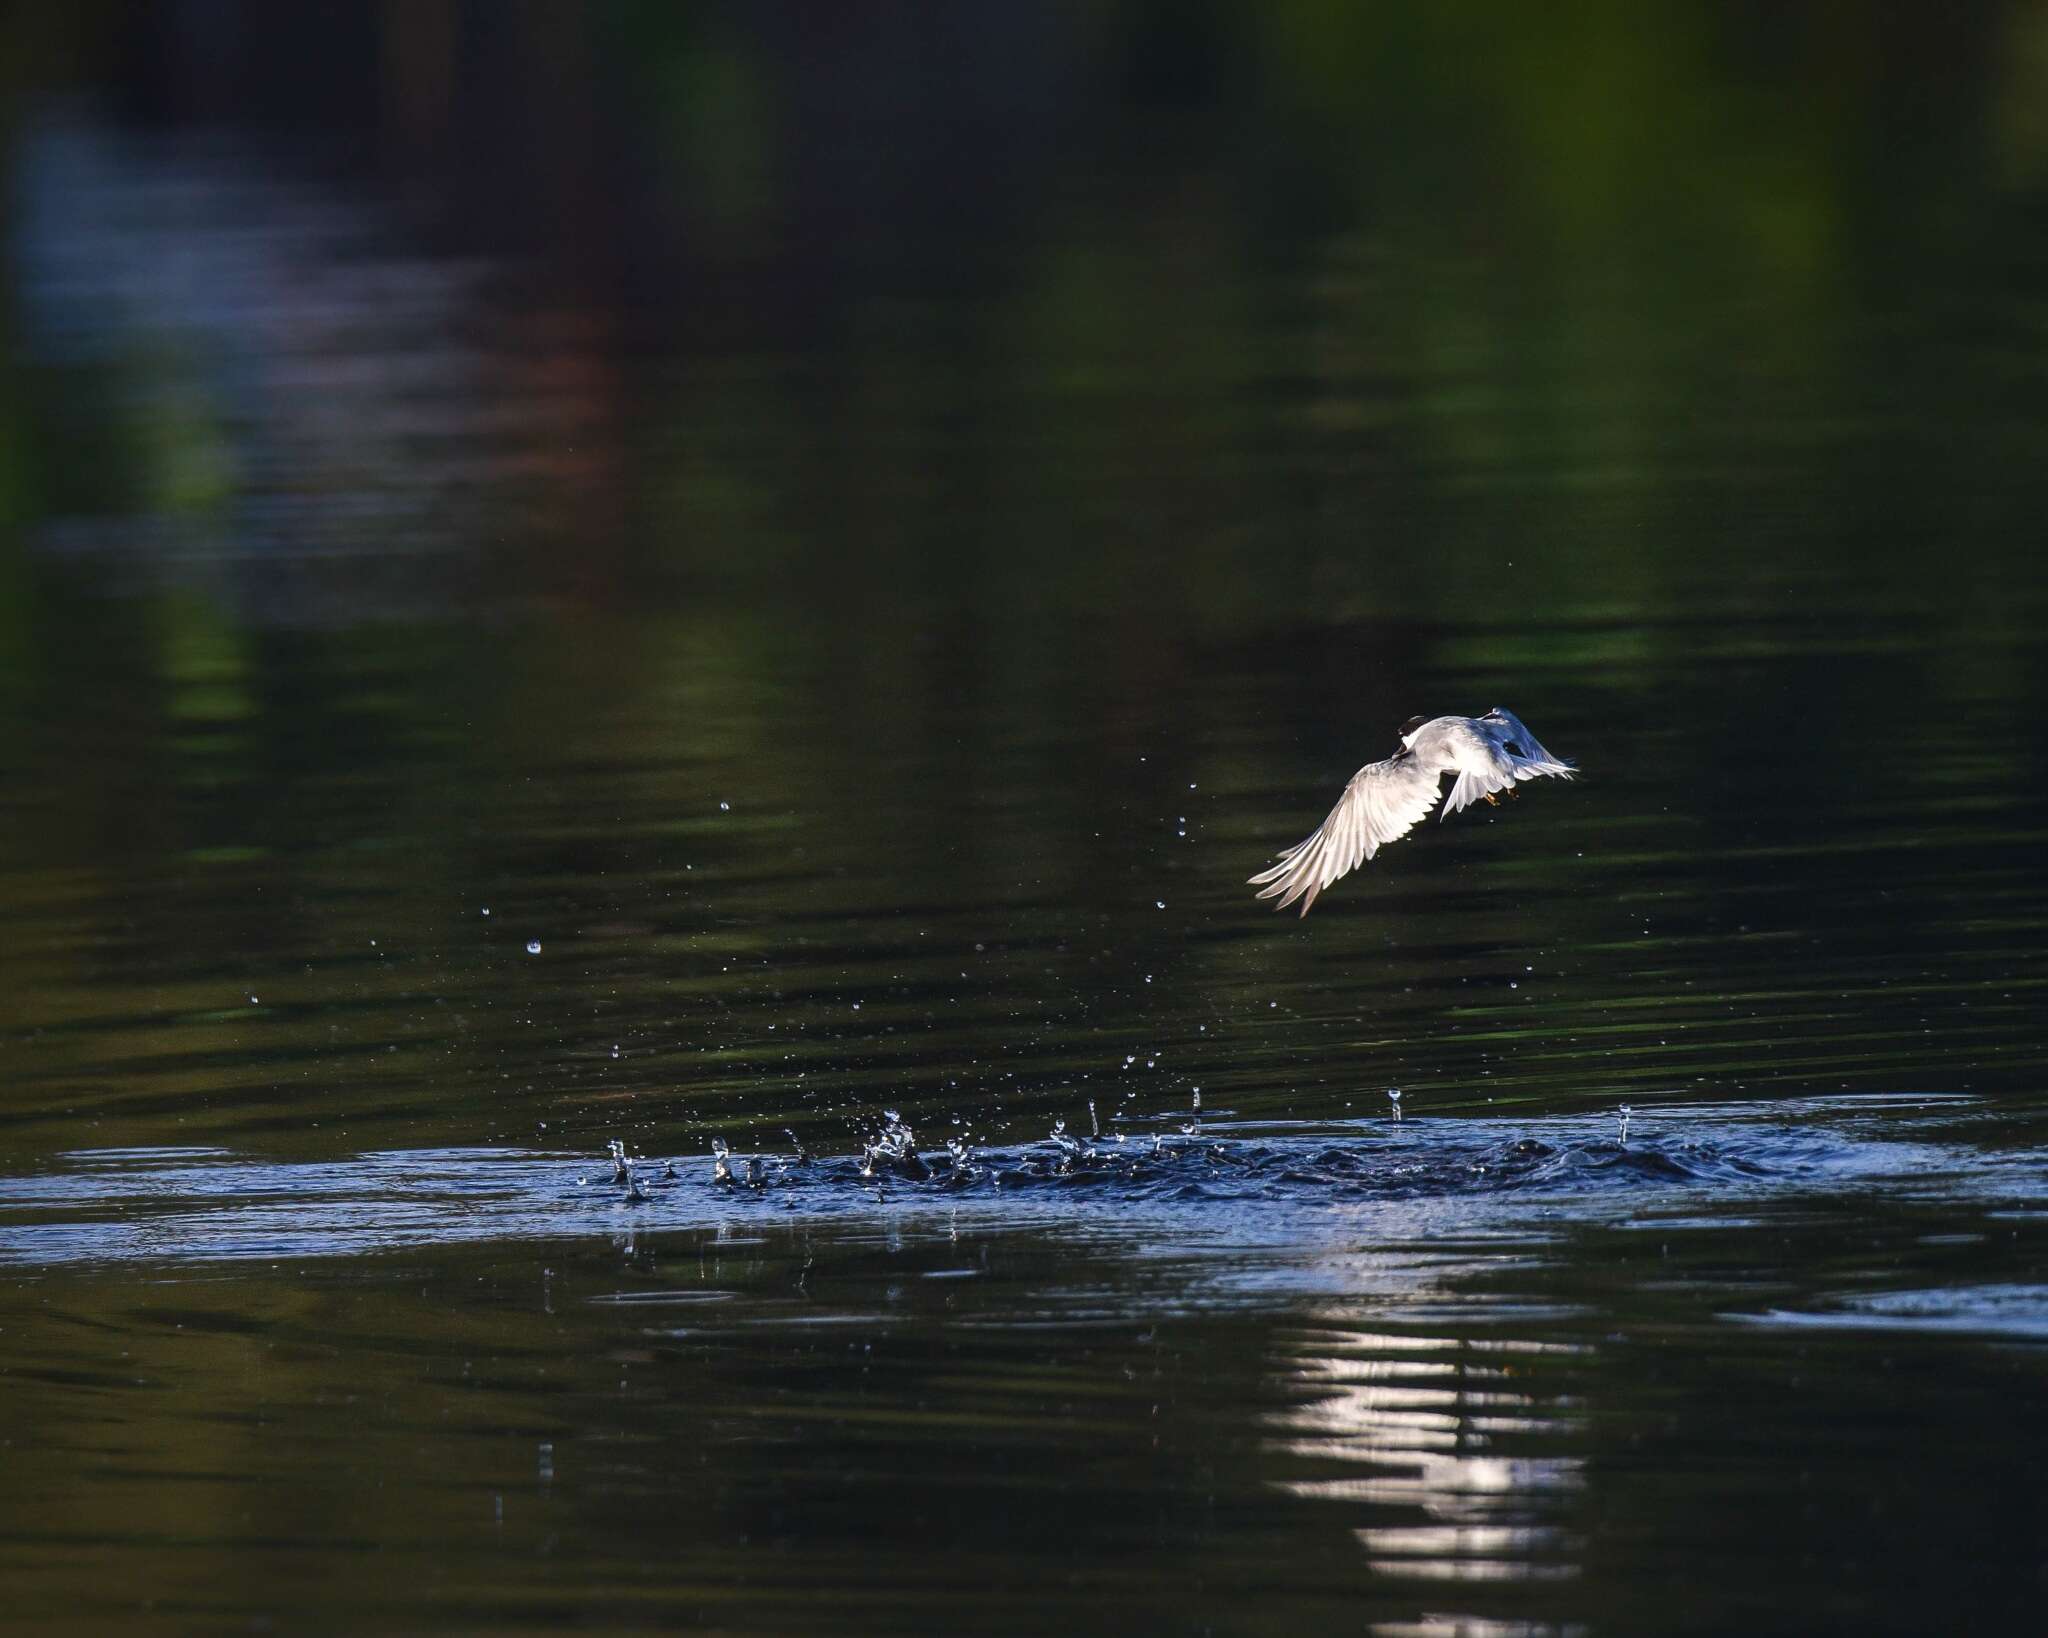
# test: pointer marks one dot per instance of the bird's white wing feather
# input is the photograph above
(1383, 802)
(1514, 744)
(1512, 755)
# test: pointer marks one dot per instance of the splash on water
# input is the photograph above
(1242, 1179)
(622, 1172)
(894, 1152)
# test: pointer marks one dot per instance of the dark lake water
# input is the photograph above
(783, 662)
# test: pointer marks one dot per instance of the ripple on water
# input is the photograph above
(1241, 1184)
(1995, 1310)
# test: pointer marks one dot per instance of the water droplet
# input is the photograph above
(487, 910)
(533, 946)
(725, 807)
(1158, 904)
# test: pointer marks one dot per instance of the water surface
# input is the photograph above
(711, 600)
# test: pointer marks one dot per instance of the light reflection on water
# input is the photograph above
(1394, 1351)
(336, 418)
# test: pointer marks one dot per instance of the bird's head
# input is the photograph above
(1408, 732)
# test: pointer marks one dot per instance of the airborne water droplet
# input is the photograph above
(533, 946)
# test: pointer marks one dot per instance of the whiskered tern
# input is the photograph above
(1386, 800)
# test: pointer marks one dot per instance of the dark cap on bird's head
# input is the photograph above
(1411, 725)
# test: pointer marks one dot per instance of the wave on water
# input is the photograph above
(1231, 1180)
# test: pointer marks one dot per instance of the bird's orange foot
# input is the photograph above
(1491, 801)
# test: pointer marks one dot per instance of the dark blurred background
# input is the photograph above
(1073, 305)
(796, 504)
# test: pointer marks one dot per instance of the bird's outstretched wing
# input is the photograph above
(1383, 802)
(1518, 745)
(1513, 756)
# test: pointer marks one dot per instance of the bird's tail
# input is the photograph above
(1472, 787)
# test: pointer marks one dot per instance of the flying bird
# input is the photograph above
(1386, 800)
